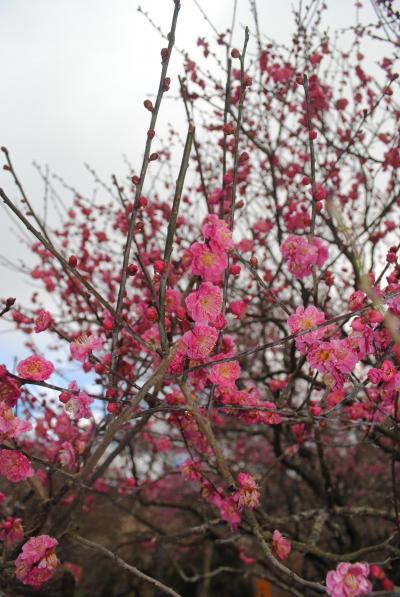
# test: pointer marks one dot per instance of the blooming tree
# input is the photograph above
(232, 329)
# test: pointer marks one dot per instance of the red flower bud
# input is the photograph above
(164, 54)
(235, 269)
(300, 79)
(112, 408)
(151, 314)
(99, 368)
(247, 81)
(132, 269)
(159, 266)
(391, 257)
(228, 128)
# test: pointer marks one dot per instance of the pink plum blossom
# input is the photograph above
(303, 320)
(200, 341)
(11, 531)
(43, 321)
(224, 375)
(248, 493)
(66, 455)
(10, 426)
(239, 308)
(218, 233)
(300, 254)
(77, 405)
(281, 545)
(208, 264)
(320, 356)
(204, 305)
(190, 470)
(37, 561)
(348, 580)
(9, 391)
(344, 358)
(35, 367)
(84, 345)
(14, 466)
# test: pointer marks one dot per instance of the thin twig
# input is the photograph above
(132, 569)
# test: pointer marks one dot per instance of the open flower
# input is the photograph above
(14, 466)
(348, 580)
(281, 545)
(303, 320)
(11, 531)
(190, 470)
(37, 561)
(248, 493)
(35, 367)
(204, 305)
(300, 254)
(9, 391)
(200, 341)
(224, 375)
(208, 264)
(43, 321)
(217, 232)
(10, 425)
(83, 345)
(77, 405)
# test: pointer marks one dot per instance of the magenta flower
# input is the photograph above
(208, 264)
(190, 470)
(14, 466)
(344, 358)
(224, 375)
(281, 545)
(77, 405)
(248, 493)
(321, 356)
(37, 561)
(11, 531)
(9, 391)
(300, 255)
(228, 510)
(348, 580)
(238, 308)
(10, 425)
(204, 305)
(66, 455)
(35, 367)
(303, 320)
(83, 345)
(43, 321)
(200, 341)
(218, 233)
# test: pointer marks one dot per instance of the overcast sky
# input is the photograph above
(74, 75)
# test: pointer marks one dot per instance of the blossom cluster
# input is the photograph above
(301, 254)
